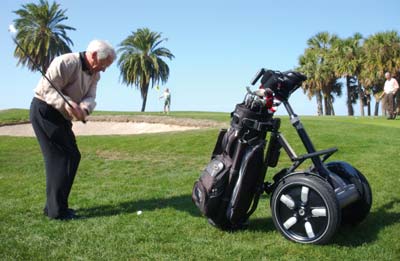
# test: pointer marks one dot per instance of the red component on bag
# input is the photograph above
(269, 99)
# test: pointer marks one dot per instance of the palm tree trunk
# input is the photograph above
(350, 110)
(369, 104)
(361, 97)
(327, 105)
(144, 90)
(144, 103)
(319, 103)
(376, 112)
(331, 105)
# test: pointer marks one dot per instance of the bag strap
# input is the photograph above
(258, 125)
(256, 199)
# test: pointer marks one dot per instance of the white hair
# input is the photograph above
(102, 48)
(387, 74)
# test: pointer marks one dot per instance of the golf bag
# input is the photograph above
(229, 187)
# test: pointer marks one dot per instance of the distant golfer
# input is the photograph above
(167, 100)
(389, 93)
(76, 76)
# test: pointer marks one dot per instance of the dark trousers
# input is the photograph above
(390, 104)
(60, 152)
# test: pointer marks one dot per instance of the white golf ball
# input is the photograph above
(139, 212)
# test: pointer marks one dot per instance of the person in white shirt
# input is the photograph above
(167, 100)
(389, 93)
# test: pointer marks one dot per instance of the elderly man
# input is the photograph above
(389, 93)
(76, 76)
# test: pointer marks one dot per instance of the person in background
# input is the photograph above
(397, 102)
(389, 93)
(167, 100)
(76, 76)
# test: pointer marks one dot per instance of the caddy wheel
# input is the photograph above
(356, 212)
(305, 209)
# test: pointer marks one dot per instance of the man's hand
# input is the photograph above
(85, 110)
(75, 111)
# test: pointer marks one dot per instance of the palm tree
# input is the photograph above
(41, 34)
(347, 56)
(308, 65)
(316, 63)
(141, 62)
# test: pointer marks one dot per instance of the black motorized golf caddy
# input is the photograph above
(307, 205)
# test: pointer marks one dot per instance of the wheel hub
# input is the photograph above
(302, 212)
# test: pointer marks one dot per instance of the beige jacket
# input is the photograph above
(66, 74)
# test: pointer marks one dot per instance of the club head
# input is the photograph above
(248, 90)
(260, 92)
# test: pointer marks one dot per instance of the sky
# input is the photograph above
(218, 46)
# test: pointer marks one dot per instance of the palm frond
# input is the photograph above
(41, 34)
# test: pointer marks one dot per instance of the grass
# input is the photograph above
(120, 175)
(12, 116)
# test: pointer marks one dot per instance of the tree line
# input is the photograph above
(360, 62)
(356, 62)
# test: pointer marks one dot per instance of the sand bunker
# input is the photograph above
(100, 128)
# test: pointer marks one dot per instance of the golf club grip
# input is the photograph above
(258, 76)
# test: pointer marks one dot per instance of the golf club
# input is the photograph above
(13, 32)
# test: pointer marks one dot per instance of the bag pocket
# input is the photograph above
(208, 191)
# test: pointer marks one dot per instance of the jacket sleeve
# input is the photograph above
(88, 102)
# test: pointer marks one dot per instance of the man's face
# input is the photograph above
(100, 65)
(387, 76)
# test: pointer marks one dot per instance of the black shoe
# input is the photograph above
(68, 216)
(69, 211)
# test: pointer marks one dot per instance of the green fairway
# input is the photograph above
(120, 175)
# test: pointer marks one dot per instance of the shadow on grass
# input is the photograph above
(181, 203)
(368, 230)
(261, 225)
(350, 236)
